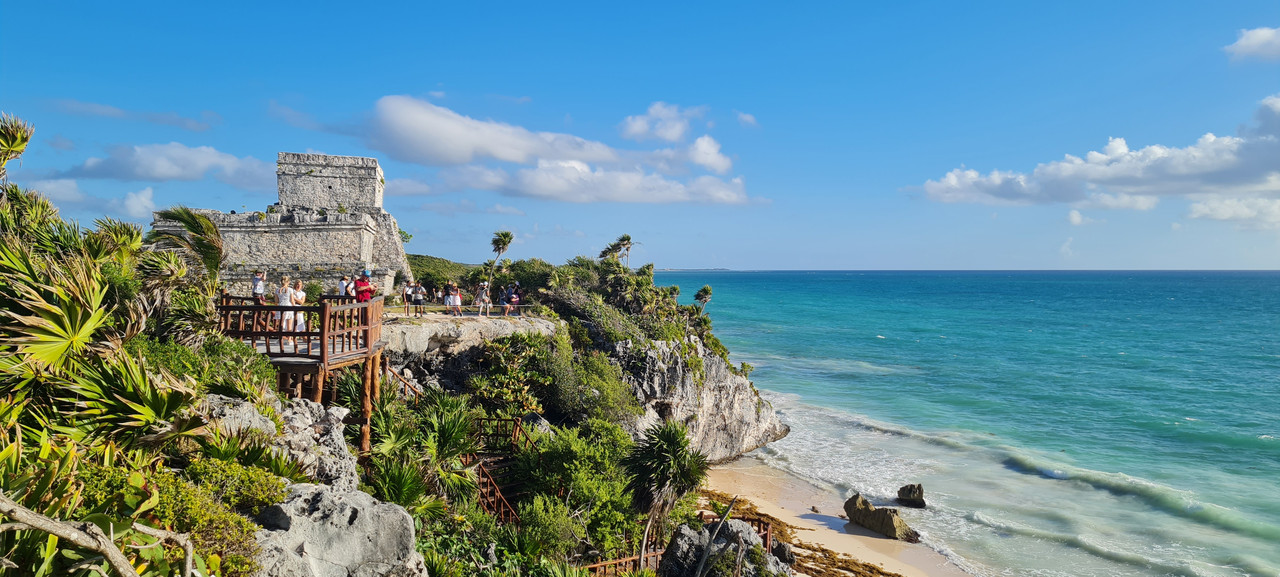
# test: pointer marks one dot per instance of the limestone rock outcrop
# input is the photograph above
(911, 496)
(235, 415)
(685, 382)
(736, 541)
(884, 521)
(319, 531)
(312, 435)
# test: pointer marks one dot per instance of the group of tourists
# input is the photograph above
(415, 298)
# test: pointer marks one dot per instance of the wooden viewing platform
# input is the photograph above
(338, 333)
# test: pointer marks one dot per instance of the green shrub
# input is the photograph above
(601, 389)
(245, 489)
(182, 507)
(549, 522)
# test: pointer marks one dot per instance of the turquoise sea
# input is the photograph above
(1062, 423)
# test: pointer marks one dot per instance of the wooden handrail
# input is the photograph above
(491, 497)
(338, 331)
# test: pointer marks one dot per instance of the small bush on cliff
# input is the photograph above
(182, 507)
(549, 522)
(246, 489)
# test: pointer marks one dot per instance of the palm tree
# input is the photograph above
(501, 242)
(663, 469)
(200, 237)
(610, 251)
(14, 137)
(703, 297)
(624, 245)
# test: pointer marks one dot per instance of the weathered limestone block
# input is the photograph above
(312, 435)
(884, 521)
(324, 181)
(235, 415)
(736, 539)
(724, 412)
(319, 531)
(453, 335)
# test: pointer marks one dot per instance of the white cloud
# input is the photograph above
(746, 119)
(436, 94)
(138, 205)
(418, 131)
(1259, 212)
(1262, 43)
(407, 187)
(466, 206)
(59, 190)
(1065, 250)
(207, 118)
(1120, 177)
(1075, 218)
(177, 161)
(576, 181)
(705, 151)
(662, 121)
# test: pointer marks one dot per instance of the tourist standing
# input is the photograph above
(284, 298)
(300, 317)
(439, 295)
(419, 299)
(406, 295)
(484, 303)
(343, 285)
(258, 288)
(364, 289)
(453, 299)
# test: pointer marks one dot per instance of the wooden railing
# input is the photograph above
(763, 528)
(491, 498)
(334, 330)
(499, 432)
(625, 565)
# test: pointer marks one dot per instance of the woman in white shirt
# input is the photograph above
(300, 318)
(284, 298)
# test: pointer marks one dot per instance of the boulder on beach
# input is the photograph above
(884, 521)
(911, 496)
(736, 550)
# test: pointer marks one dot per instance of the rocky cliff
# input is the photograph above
(671, 380)
(685, 382)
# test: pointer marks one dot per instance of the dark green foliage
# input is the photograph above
(435, 271)
(244, 489)
(583, 464)
(511, 383)
(314, 290)
(182, 507)
(548, 522)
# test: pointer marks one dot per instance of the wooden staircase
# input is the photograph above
(495, 466)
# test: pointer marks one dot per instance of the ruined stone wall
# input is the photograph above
(323, 181)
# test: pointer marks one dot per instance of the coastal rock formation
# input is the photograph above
(736, 544)
(884, 521)
(319, 531)
(445, 335)
(684, 381)
(235, 415)
(911, 496)
(312, 435)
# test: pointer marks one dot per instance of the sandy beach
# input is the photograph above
(792, 500)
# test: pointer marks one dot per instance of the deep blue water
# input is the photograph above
(1063, 423)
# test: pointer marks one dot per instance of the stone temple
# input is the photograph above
(329, 222)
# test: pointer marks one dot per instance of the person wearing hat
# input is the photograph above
(364, 288)
(484, 303)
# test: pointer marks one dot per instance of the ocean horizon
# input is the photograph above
(1062, 422)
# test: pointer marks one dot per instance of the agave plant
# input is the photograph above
(405, 482)
(118, 400)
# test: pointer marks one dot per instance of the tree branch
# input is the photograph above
(83, 535)
(180, 539)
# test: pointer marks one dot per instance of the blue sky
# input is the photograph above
(740, 135)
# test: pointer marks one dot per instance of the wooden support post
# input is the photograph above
(366, 410)
(377, 376)
(317, 380)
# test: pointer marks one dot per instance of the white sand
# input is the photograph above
(790, 499)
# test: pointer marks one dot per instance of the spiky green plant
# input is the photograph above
(15, 134)
(663, 468)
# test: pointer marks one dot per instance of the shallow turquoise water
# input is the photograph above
(1063, 423)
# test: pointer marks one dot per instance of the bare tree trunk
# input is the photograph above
(707, 550)
(83, 535)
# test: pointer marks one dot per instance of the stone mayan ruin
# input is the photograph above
(329, 222)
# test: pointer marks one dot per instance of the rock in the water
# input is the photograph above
(235, 415)
(312, 435)
(724, 412)
(884, 521)
(319, 531)
(685, 551)
(911, 496)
